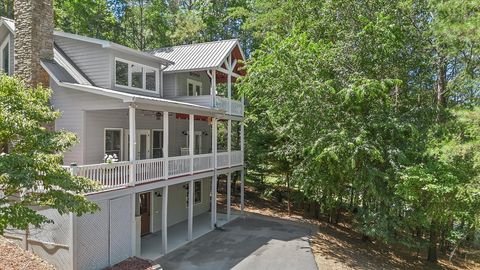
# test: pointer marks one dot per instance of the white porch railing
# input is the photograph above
(222, 159)
(108, 175)
(237, 107)
(117, 174)
(202, 162)
(222, 103)
(236, 158)
(178, 166)
(149, 170)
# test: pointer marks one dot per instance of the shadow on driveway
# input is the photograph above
(251, 242)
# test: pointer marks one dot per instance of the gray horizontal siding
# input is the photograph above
(72, 104)
(199, 100)
(181, 82)
(169, 85)
(92, 59)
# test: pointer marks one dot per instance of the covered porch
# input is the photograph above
(169, 217)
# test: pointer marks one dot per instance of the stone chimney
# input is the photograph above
(33, 39)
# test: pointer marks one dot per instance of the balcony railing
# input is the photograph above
(118, 174)
(225, 103)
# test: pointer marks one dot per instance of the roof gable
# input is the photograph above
(199, 56)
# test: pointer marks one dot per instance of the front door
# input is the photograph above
(143, 144)
(145, 213)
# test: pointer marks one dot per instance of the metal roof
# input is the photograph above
(196, 56)
(62, 69)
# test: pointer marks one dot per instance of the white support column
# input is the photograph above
(191, 139)
(242, 190)
(229, 195)
(213, 88)
(164, 220)
(190, 210)
(132, 140)
(229, 93)
(165, 144)
(73, 242)
(133, 222)
(214, 141)
(229, 142)
(214, 201)
(242, 140)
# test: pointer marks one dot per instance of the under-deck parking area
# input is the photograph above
(252, 242)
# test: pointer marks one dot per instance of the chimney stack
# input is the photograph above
(33, 39)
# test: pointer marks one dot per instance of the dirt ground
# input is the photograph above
(338, 247)
(12, 257)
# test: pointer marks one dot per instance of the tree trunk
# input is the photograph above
(432, 245)
(287, 178)
(441, 92)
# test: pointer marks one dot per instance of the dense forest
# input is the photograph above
(363, 108)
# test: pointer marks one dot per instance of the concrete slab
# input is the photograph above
(252, 242)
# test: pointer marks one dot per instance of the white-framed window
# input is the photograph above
(194, 88)
(197, 146)
(157, 143)
(113, 142)
(5, 56)
(136, 76)
(197, 192)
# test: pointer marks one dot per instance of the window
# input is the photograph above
(194, 88)
(136, 76)
(197, 192)
(5, 56)
(113, 142)
(157, 145)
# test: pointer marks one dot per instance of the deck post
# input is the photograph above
(190, 210)
(242, 190)
(229, 142)
(191, 139)
(132, 141)
(214, 142)
(213, 88)
(73, 241)
(133, 229)
(229, 88)
(242, 140)
(164, 219)
(165, 144)
(214, 200)
(229, 195)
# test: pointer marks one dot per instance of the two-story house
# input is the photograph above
(157, 130)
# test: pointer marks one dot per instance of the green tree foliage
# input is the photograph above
(367, 95)
(31, 175)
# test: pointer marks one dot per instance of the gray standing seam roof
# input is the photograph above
(196, 56)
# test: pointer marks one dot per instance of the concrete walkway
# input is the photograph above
(252, 242)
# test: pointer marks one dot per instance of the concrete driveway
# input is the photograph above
(252, 242)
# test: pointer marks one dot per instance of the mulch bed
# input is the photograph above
(133, 264)
(13, 257)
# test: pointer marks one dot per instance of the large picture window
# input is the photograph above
(113, 142)
(136, 76)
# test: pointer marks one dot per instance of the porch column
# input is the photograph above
(165, 144)
(191, 139)
(214, 201)
(133, 229)
(132, 141)
(242, 140)
(190, 210)
(164, 219)
(229, 142)
(242, 190)
(229, 89)
(229, 195)
(213, 88)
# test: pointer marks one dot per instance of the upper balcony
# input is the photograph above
(205, 74)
